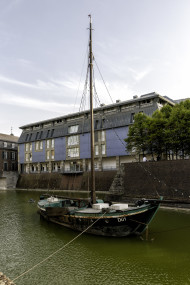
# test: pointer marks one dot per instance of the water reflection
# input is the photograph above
(26, 240)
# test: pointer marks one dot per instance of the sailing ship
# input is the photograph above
(94, 216)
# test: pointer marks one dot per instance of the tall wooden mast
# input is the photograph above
(93, 194)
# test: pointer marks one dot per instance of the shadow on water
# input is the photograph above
(26, 239)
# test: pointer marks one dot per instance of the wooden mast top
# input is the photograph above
(93, 194)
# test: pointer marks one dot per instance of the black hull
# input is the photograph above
(132, 222)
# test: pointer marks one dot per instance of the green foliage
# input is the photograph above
(166, 132)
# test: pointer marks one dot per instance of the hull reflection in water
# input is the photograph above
(117, 220)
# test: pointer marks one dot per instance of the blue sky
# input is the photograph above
(140, 46)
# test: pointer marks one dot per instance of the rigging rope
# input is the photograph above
(81, 76)
(58, 250)
(121, 140)
(103, 80)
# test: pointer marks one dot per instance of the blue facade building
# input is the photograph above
(63, 144)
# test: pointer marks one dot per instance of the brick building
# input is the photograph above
(8, 153)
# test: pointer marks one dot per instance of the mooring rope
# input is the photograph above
(58, 250)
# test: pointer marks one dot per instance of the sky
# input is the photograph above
(140, 46)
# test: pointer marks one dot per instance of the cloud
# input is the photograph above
(12, 99)
(17, 82)
(139, 75)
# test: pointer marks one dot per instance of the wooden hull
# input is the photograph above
(117, 224)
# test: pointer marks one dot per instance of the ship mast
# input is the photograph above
(93, 194)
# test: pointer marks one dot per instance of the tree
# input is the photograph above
(137, 136)
(166, 132)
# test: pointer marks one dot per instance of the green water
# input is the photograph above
(25, 240)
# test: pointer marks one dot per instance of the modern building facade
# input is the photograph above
(63, 144)
(8, 153)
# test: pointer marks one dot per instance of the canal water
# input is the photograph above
(26, 240)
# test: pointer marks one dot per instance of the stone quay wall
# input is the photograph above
(170, 179)
(72, 181)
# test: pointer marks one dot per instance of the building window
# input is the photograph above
(47, 154)
(41, 145)
(96, 150)
(52, 132)
(132, 117)
(52, 154)
(30, 146)
(26, 146)
(5, 166)
(47, 133)
(27, 137)
(13, 155)
(103, 149)
(73, 152)
(30, 155)
(37, 145)
(50, 143)
(4, 155)
(40, 135)
(37, 134)
(47, 144)
(73, 140)
(96, 124)
(5, 144)
(102, 136)
(96, 136)
(73, 129)
(27, 157)
(13, 145)
(13, 166)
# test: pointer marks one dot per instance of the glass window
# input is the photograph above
(41, 145)
(103, 149)
(13, 155)
(5, 144)
(37, 145)
(73, 152)
(4, 154)
(73, 129)
(47, 143)
(47, 154)
(27, 146)
(96, 150)
(47, 133)
(40, 134)
(30, 146)
(102, 136)
(52, 143)
(52, 132)
(13, 145)
(37, 134)
(73, 140)
(27, 157)
(52, 154)
(132, 117)
(96, 136)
